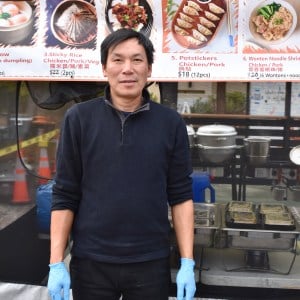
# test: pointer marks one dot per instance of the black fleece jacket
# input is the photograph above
(119, 174)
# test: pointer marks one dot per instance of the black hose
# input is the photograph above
(18, 88)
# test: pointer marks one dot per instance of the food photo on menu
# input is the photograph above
(71, 23)
(134, 14)
(272, 26)
(201, 25)
(17, 22)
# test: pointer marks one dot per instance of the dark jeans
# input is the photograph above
(92, 280)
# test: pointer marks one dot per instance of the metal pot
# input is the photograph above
(293, 193)
(216, 135)
(295, 155)
(258, 146)
(257, 149)
(191, 135)
(216, 143)
(279, 192)
(216, 155)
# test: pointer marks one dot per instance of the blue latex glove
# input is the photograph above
(59, 282)
(185, 280)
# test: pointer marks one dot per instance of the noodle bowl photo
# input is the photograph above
(16, 21)
(272, 22)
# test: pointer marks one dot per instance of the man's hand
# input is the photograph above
(185, 280)
(59, 282)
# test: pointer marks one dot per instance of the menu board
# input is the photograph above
(198, 40)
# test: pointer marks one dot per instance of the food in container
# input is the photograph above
(240, 214)
(16, 21)
(196, 23)
(201, 214)
(207, 220)
(242, 219)
(74, 22)
(260, 236)
(239, 206)
(272, 21)
(12, 14)
(265, 208)
(278, 221)
(203, 218)
(129, 14)
(202, 222)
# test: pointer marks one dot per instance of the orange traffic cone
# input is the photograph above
(20, 192)
(44, 168)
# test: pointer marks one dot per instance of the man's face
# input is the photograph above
(127, 70)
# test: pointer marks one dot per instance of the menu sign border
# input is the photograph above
(231, 54)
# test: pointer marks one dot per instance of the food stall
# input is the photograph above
(48, 64)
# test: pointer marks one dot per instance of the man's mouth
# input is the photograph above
(128, 81)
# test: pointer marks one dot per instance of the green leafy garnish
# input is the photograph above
(269, 10)
(278, 21)
(5, 15)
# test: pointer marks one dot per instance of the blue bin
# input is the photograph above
(43, 207)
(201, 182)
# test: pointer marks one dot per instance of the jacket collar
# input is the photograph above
(145, 94)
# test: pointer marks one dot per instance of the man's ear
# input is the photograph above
(149, 70)
(104, 70)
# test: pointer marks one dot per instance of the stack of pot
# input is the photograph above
(216, 143)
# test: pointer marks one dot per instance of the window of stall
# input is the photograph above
(212, 97)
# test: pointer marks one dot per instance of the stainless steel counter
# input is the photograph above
(217, 261)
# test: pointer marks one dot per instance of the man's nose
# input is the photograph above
(127, 66)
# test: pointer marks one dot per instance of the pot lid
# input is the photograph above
(295, 155)
(216, 129)
(190, 130)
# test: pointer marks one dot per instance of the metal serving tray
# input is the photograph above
(207, 222)
(261, 239)
(206, 227)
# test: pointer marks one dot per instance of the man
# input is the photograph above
(121, 160)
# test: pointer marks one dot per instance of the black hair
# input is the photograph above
(121, 35)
